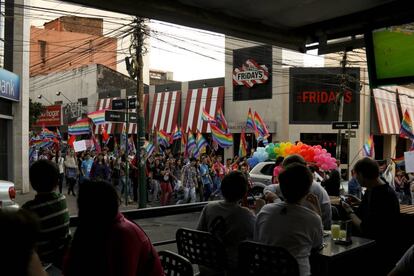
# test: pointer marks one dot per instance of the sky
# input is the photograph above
(190, 54)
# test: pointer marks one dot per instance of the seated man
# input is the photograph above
(289, 224)
(227, 220)
(51, 208)
(405, 265)
(273, 192)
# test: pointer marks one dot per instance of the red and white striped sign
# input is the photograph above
(250, 73)
(387, 111)
(210, 98)
(112, 128)
(165, 111)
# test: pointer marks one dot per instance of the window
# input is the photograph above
(268, 169)
(42, 51)
(58, 102)
(84, 101)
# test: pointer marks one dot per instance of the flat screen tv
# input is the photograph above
(390, 55)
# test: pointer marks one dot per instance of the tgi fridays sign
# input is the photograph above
(250, 73)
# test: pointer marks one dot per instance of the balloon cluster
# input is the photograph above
(312, 154)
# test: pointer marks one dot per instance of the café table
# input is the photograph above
(338, 259)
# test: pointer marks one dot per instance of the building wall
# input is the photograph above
(66, 50)
(76, 24)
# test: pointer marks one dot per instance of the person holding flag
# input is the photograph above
(206, 178)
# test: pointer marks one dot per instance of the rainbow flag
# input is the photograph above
(369, 147)
(79, 127)
(191, 144)
(149, 148)
(223, 139)
(261, 126)
(400, 161)
(46, 133)
(243, 145)
(221, 121)
(183, 137)
(97, 117)
(59, 136)
(163, 138)
(177, 134)
(205, 116)
(201, 141)
(406, 130)
(250, 122)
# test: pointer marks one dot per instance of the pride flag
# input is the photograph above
(223, 139)
(369, 147)
(221, 121)
(250, 122)
(163, 138)
(149, 148)
(260, 125)
(105, 135)
(243, 145)
(46, 133)
(205, 116)
(79, 127)
(191, 144)
(176, 134)
(59, 136)
(183, 137)
(406, 130)
(97, 117)
(201, 141)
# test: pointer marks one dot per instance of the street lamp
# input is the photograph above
(60, 93)
(43, 97)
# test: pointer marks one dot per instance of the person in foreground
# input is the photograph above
(405, 265)
(227, 220)
(377, 216)
(105, 242)
(51, 209)
(17, 255)
(289, 224)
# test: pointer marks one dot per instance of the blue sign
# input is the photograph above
(9, 85)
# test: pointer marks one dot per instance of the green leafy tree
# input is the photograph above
(35, 109)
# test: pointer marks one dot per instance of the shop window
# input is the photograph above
(84, 101)
(58, 102)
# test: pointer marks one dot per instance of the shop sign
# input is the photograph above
(51, 116)
(250, 73)
(9, 85)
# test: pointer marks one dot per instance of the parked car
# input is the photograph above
(261, 176)
(7, 195)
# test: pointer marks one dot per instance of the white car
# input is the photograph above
(261, 176)
(7, 195)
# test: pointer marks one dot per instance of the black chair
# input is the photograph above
(201, 248)
(174, 264)
(260, 259)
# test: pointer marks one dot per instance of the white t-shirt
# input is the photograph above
(321, 194)
(230, 222)
(293, 227)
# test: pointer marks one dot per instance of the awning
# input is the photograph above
(113, 128)
(387, 111)
(210, 98)
(165, 111)
(406, 97)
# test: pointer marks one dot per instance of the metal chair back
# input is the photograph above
(174, 264)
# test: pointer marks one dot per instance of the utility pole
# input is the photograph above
(340, 99)
(137, 71)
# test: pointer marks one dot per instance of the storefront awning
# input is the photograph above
(113, 128)
(210, 99)
(406, 97)
(387, 111)
(165, 111)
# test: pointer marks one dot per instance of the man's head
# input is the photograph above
(244, 168)
(366, 171)
(44, 175)
(295, 181)
(294, 158)
(228, 161)
(234, 186)
(87, 156)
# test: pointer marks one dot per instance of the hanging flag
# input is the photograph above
(79, 127)
(105, 135)
(176, 133)
(205, 116)
(201, 142)
(260, 125)
(163, 138)
(243, 145)
(224, 140)
(406, 130)
(97, 117)
(369, 147)
(250, 121)
(149, 148)
(46, 133)
(221, 121)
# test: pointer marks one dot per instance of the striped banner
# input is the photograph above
(387, 111)
(165, 111)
